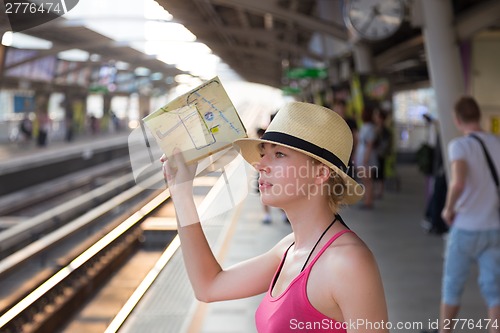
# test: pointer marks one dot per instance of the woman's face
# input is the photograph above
(285, 175)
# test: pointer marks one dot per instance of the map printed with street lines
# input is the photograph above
(199, 123)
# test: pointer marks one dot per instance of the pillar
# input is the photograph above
(333, 72)
(4, 27)
(444, 66)
(68, 116)
(106, 105)
(345, 69)
(106, 113)
(42, 125)
(4, 20)
(363, 59)
(144, 105)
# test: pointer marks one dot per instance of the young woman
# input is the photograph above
(320, 278)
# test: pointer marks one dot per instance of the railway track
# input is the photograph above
(57, 202)
(48, 298)
(68, 262)
(35, 199)
(68, 274)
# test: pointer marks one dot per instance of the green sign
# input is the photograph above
(98, 89)
(291, 90)
(303, 72)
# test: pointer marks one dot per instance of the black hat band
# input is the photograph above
(295, 142)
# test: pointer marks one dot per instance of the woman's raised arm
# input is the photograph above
(210, 282)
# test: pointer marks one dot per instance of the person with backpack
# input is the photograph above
(433, 167)
(472, 211)
(383, 148)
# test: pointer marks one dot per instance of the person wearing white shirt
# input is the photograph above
(472, 211)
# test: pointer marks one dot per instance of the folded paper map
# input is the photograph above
(199, 123)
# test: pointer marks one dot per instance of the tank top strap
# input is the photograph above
(323, 249)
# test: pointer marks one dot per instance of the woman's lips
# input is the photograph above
(264, 185)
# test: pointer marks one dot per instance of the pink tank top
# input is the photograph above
(291, 311)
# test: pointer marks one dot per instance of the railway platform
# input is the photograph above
(14, 154)
(410, 261)
(25, 165)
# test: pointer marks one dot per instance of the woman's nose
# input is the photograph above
(261, 166)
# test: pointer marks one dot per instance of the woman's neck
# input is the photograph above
(308, 220)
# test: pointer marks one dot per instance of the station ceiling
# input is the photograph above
(258, 38)
(68, 35)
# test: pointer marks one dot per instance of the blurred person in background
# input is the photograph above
(438, 185)
(383, 148)
(366, 157)
(44, 126)
(340, 107)
(26, 128)
(472, 211)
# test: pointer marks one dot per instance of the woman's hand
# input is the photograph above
(179, 177)
(178, 174)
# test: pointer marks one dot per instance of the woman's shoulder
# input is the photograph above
(283, 245)
(351, 278)
(349, 254)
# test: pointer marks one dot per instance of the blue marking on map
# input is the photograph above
(220, 112)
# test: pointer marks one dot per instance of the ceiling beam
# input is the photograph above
(270, 39)
(243, 51)
(477, 18)
(308, 22)
(399, 52)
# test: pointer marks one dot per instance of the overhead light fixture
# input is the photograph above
(22, 41)
(183, 78)
(268, 21)
(95, 57)
(156, 76)
(168, 32)
(169, 80)
(153, 11)
(122, 65)
(142, 71)
(74, 55)
(7, 38)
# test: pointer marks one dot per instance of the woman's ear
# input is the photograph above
(322, 173)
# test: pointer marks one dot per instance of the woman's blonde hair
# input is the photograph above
(335, 188)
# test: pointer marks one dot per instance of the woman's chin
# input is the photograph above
(270, 201)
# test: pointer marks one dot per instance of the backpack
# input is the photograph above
(425, 158)
(383, 143)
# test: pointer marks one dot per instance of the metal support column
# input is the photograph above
(144, 105)
(445, 71)
(363, 59)
(345, 69)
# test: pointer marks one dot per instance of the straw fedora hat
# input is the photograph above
(312, 130)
